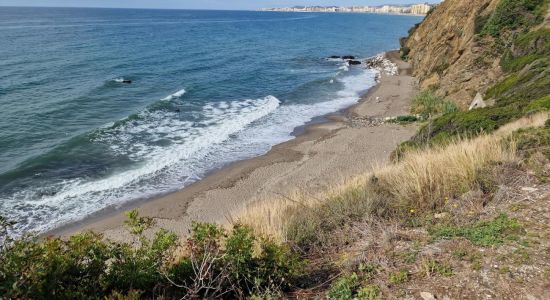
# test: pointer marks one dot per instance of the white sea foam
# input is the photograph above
(175, 95)
(344, 67)
(170, 152)
(157, 167)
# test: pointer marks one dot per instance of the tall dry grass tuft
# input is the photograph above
(422, 179)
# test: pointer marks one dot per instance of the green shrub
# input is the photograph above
(479, 23)
(513, 64)
(433, 266)
(541, 104)
(54, 269)
(405, 119)
(503, 86)
(483, 233)
(344, 288)
(513, 14)
(399, 277)
(402, 149)
(428, 105)
(369, 292)
(467, 123)
(138, 268)
(529, 39)
(405, 53)
(217, 264)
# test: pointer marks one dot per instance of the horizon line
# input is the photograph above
(111, 7)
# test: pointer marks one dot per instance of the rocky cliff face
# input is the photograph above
(446, 54)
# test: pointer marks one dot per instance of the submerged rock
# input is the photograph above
(334, 56)
(348, 57)
(354, 62)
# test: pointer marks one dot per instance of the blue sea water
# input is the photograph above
(208, 88)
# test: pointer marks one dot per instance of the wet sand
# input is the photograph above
(348, 144)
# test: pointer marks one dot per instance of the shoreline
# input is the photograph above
(235, 186)
(347, 12)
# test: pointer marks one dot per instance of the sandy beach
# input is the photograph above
(350, 143)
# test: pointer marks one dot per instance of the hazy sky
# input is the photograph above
(198, 4)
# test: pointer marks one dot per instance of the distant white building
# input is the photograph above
(420, 9)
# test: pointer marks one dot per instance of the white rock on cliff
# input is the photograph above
(477, 102)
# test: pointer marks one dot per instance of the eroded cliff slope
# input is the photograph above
(458, 49)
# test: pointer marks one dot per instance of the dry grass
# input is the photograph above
(422, 180)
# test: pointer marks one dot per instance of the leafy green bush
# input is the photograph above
(404, 51)
(369, 292)
(513, 14)
(405, 119)
(399, 277)
(433, 266)
(468, 123)
(344, 288)
(54, 269)
(527, 48)
(483, 233)
(479, 23)
(427, 104)
(218, 264)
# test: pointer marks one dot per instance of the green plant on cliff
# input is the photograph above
(427, 105)
(514, 14)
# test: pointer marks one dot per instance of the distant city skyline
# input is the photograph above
(203, 4)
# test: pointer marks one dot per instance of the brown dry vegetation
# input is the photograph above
(396, 231)
(420, 180)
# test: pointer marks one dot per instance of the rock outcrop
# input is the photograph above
(478, 102)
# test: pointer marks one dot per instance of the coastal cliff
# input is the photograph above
(458, 50)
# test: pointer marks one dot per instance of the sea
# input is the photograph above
(208, 88)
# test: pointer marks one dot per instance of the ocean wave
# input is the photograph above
(168, 151)
(175, 95)
(158, 166)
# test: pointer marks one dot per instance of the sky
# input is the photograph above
(200, 4)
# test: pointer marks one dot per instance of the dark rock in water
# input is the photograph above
(177, 110)
(354, 62)
(127, 81)
(334, 56)
(348, 57)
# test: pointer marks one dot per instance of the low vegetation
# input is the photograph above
(211, 263)
(514, 14)
(427, 105)
(483, 233)
(463, 200)
(241, 263)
